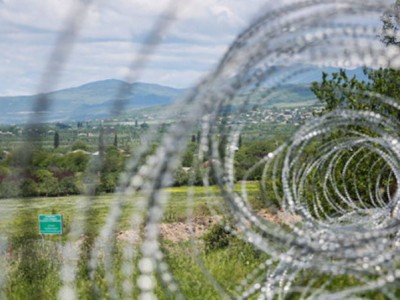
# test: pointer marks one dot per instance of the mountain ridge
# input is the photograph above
(97, 99)
(90, 100)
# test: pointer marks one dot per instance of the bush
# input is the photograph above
(190, 177)
(108, 182)
(75, 162)
(217, 238)
(249, 155)
(181, 177)
(29, 188)
(9, 188)
(80, 145)
(69, 186)
(46, 183)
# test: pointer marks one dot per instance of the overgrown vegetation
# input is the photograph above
(339, 91)
(51, 173)
(34, 265)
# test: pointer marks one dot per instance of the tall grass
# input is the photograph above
(218, 261)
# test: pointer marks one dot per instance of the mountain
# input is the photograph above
(97, 99)
(92, 100)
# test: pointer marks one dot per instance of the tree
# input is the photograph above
(68, 186)
(115, 140)
(101, 142)
(198, 137)
(112, 166)
(391, 25)
(46, 183)
(56, 140)
(144, 125)
(248, 155)
(187, 157)
(75, 162)
(338, 91)
(80, 145)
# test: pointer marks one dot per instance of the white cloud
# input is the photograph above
(110, 36)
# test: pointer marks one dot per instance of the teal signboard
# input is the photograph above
(50, 224)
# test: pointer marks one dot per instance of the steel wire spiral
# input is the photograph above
(335, 180)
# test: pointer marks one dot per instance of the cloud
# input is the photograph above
(111, 35)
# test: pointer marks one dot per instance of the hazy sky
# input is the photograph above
(111, 34)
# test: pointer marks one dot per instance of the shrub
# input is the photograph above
(217, 238)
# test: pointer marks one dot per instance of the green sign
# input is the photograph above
(50, 224)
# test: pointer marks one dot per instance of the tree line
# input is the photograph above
(47, 172)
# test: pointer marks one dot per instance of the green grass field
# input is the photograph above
(176, 210)
(33, 271)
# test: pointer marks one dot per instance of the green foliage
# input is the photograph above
(108, 182)
(56, 140)
(249, 154)
(9, 188)
(29, 188)
(391, 25)
(113, 165)
(192, 176)
(144, 125)
(217, 238)
(113, 161)
(48, 173)
(46, 183)
(69, 186)
(41, 158)
(4, 171)
(229, 266)
(19, 158)
(80, 145)
(34, 273)
(190, 152)
(115, 144)
(75, 161)
(34, 268)
(181, 177)
(101, 145)
(339, 91)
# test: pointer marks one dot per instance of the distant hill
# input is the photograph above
(293, 90)
(291, 95)
(310, 74)
(95, 99)
(92, 100)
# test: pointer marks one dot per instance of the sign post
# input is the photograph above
(50, 224)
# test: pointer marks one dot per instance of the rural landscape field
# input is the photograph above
(200, 150)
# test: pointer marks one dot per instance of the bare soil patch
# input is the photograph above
(183, 231)
(281, 217)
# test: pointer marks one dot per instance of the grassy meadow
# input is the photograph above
(33, 265)
(211, 266)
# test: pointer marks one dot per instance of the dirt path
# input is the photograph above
(180, 231)
(175, 232)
